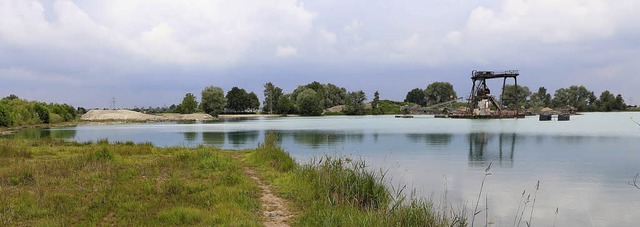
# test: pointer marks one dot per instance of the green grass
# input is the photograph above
(344, 192)
(49, 182)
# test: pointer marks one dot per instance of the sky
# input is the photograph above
(151, 53)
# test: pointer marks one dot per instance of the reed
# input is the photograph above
(475, 209)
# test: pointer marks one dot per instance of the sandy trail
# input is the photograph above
(274, 208)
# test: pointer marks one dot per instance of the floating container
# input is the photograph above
(545, 117)
(563, 117)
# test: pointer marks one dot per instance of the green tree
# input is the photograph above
(238, 100)
(254, 102)
(6, 118)
(11, 97)
(416, 96)
(511, 100)
(286, 105)
(189, 104)
(541, 98)
(331, 94)
(577, 97)
(272, 95)
(376, 109)
(606, 102)
(620, 104)
(438, 92)
(213, 100)
(335, 95)
(42, 112)
(354, 104)
(309, 102)
(67, 112)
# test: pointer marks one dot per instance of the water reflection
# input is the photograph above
(241, 138)
(213, 138)
(190, 136)
(317, 139)
(495, 148)
(44, 134)
(437, 139)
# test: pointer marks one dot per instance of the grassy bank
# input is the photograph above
(45, 182)
(50, 182)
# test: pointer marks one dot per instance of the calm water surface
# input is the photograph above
(583, 165)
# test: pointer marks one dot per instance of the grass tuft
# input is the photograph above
(271, 153)
(22, 179)
(101, 154)
(182, 216)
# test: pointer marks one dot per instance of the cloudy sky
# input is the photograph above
(150, 53)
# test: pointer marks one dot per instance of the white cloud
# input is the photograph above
(547, 21)
(286, 51)
(327, 36)
(210, 33)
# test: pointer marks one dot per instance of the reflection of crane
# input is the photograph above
(482, 149)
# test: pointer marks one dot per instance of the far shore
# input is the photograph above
(233, 116)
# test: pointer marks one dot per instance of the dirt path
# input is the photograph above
(274, 208)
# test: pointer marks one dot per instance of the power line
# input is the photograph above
(113, 103)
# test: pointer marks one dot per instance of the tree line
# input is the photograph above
(19, 112)
(576, 97)
(308, 100)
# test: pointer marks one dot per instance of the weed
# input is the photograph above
(173, 187)
(635, 181)
(22, 179)
(533, 205)
(556, 217)
(475, 210)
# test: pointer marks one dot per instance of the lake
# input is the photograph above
(583, 165)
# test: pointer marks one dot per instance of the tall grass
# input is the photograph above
(272, 154)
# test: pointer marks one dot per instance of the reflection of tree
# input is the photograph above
(240, 138)
(431, 139)
(213, 138)
(190, 136)
(45, 134)
(483, 149)
(62, 133)
(316, 139)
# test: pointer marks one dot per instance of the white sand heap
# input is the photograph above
(128, 115)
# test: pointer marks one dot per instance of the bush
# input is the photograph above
(42, 112)
(6, 118)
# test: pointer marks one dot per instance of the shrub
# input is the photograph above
(6, 118)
